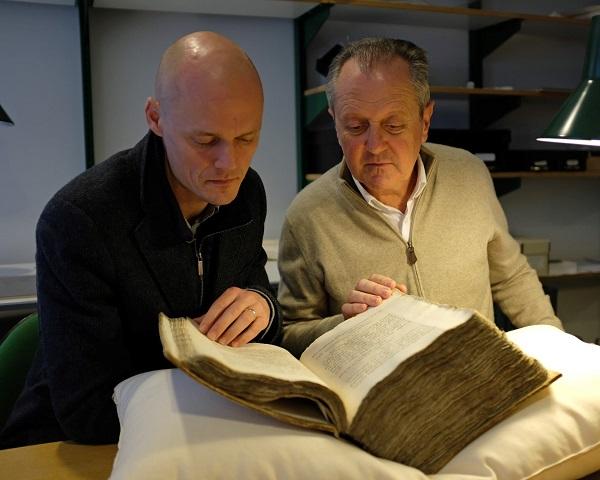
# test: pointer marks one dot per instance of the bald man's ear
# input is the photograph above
(152, 110)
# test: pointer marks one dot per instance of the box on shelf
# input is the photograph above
(557, 268)
(537, 251)
(593, 163)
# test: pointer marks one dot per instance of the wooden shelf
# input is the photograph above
(449, 10)
(584, 174)
(487, 91)
(572, 276)
(403, 13)
(312, 176)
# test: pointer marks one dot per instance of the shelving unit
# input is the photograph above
(488, 29)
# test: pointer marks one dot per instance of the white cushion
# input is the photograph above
(172, 427)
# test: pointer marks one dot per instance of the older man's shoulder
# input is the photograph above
(320, 189)
(454, 160)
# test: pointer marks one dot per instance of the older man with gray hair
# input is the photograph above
(396, 212)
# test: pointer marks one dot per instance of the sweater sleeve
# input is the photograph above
(80, 327)
(515, 285)
(302, 294)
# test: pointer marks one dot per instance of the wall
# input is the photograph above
(126, 47)
(40, 88)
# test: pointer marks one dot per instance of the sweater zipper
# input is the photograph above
(411, 256)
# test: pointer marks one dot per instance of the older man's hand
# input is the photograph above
(236, 317)
(369, 292)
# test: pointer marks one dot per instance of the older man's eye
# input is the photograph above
(355, 129)
(394, 128)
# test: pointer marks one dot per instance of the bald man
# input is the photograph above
(172, 225)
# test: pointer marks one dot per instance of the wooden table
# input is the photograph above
(57, 460)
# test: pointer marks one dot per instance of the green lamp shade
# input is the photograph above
(4, 117)
(578, 120)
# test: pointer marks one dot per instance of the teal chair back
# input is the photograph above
(16, 354)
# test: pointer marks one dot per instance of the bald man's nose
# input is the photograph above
(226, 157)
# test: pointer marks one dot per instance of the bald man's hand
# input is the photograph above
(369, 292)
(236, 317)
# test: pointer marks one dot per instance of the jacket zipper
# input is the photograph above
(199, 265)
(200, 260)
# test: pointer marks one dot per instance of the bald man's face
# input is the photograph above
(210, 133)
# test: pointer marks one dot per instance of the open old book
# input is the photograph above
(408, 380)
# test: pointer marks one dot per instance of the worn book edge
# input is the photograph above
(296, 411)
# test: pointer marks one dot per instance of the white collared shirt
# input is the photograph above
(398, 220)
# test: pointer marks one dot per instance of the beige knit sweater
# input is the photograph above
(465, 255)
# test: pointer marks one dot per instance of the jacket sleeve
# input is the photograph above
(515, 285)
(257, 279)
(302, 293)
(80, 326)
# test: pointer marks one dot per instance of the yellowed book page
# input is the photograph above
(363, 350)
(253, 358)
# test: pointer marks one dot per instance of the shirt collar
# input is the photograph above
(419, 186)
(208, 212)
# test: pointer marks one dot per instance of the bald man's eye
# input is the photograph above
(205, 141)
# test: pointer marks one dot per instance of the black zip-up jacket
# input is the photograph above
(113, 250)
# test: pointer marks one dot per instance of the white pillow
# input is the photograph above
(173, 427)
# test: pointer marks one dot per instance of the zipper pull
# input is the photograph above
(411, 256)
(200, 265)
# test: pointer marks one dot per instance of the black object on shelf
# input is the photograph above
(484, 143)
(475, 141)
(322, 150)
(324, 62)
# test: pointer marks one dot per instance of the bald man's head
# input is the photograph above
(200, 60)
(208, 111)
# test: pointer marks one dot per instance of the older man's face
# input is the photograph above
(379, 126)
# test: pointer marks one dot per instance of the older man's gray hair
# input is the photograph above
(368, 52)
